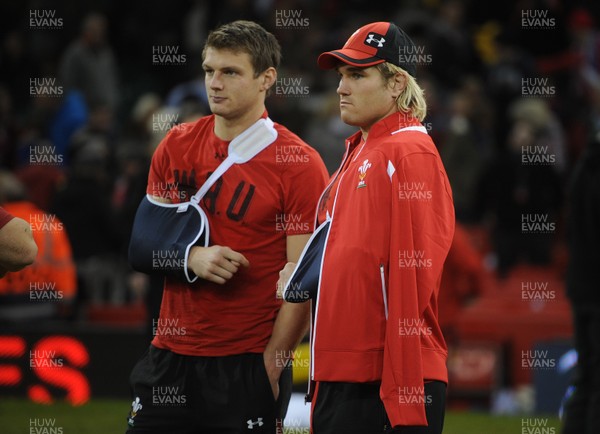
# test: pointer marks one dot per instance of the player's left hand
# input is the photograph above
(284, 276)
(273, 372)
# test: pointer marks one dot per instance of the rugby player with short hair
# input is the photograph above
(223, 341)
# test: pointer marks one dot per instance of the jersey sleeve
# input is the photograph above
(422, 226)
(5, 217)
(303, 183)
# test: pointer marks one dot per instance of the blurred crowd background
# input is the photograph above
(88, 89)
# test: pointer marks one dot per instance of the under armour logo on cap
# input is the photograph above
(371, 45)
(371, 40)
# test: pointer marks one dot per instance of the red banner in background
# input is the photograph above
(73, 367)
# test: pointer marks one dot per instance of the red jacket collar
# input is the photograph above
(386, 126)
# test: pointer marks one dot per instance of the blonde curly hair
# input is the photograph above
(412, 98)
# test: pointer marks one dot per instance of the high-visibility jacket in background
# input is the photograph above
(53, 269)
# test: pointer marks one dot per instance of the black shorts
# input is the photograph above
(176, 394)
(355, 408)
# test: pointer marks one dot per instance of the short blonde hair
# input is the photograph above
(412, 98)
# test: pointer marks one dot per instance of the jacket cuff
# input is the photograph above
(404, 410)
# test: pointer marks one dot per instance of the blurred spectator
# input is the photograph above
(140, 122)
(516, 193)
(8, 129)
(327, 133)
(461, 154)
(41, 181)
(581, 104)
(193, 90)
(70, 116)
(450, 44)
(536, 112)
(507, 67)
(98, 133)
(581, 411)
(47, 288)
(129, 189)
(84, 205)
(89, 65)
(17, 68)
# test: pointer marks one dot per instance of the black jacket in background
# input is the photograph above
(583, 230)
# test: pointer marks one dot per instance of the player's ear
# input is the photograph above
(397, 84)
(268, 78)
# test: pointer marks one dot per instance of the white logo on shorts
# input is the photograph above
(259, 422)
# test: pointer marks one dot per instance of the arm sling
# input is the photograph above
(163, 233)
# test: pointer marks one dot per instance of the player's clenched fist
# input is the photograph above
(216, 264)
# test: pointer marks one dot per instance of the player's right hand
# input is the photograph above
(216, 264)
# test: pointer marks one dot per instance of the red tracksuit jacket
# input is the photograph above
(392, 223)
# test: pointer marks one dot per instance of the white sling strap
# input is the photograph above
(241, 150)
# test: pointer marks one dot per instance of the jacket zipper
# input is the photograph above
(341, 175)
(383, 290)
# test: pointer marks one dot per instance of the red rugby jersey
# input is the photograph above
(252, 208)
